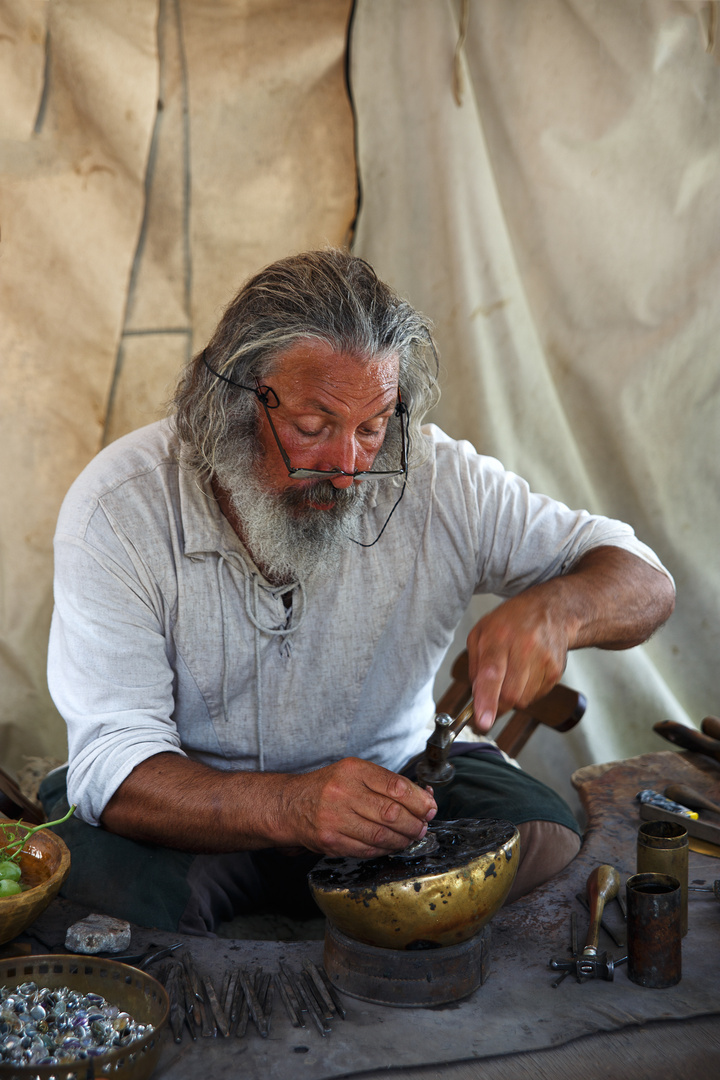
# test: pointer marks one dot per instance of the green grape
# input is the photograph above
(8, 887)
(9, 870)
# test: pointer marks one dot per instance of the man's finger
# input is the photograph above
(487, 690)
(393, 824)
(363, 838)
(417, 800)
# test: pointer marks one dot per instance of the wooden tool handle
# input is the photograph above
(602, 886)
(687, 796)
(688, 738)
(711, 726)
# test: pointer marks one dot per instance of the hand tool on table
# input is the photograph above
(703, 830)
(688, 796)
(602, 886)
(688, 738)
(199, 1010)
(714, 889)
(254, 1007)
(144, 959)
(618, 938)
(215, 1008)
(648, 795)
(306, 999)
(177, 1015)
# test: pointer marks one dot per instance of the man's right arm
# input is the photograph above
(352, 807)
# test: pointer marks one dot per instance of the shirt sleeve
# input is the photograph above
(521, 538)
(108, 668)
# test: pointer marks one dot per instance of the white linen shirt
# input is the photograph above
(166, 637)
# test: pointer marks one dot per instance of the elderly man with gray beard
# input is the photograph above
(253, 597)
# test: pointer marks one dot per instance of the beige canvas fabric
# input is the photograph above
(23, 29)
(153, 154)
(71, 202)
(561, 227)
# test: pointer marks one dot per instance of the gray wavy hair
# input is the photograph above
(328, 295)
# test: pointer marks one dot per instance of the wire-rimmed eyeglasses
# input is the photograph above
(269, 400)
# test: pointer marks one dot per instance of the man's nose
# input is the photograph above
(341, 481)
(343, 455)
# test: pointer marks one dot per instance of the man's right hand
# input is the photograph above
(357, 808)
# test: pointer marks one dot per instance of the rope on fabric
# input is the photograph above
(224, 642)
(457, 66)
(252, 608)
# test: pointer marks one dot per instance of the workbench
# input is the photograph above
(517, 1024)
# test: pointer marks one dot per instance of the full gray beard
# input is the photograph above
(287, 538)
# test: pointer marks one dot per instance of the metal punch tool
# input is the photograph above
(603, 885)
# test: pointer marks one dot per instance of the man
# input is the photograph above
(253, 599)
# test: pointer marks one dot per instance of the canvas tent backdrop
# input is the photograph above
(561, 227)
(547, 193)
(152, 156)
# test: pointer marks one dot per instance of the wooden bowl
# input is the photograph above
(437, 900)
(45, 863)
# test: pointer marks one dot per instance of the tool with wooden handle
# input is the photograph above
(687, 796)
(711, 726)
(602, 887)
(688, 738)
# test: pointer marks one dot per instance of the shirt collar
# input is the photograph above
(205, 527)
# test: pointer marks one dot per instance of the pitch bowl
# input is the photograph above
(438, 899)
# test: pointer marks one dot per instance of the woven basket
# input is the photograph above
(132, 990)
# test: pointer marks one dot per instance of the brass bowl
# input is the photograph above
(132, 990)
(436, 900)
(45, 863)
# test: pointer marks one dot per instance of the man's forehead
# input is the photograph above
(313, 373)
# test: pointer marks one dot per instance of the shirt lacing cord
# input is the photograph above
(252, 608)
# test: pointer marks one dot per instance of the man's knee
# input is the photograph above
(546, 848)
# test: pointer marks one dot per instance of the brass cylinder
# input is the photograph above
(653, 929)
(662, 848)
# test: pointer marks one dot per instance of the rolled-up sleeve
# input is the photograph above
(108, 668)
